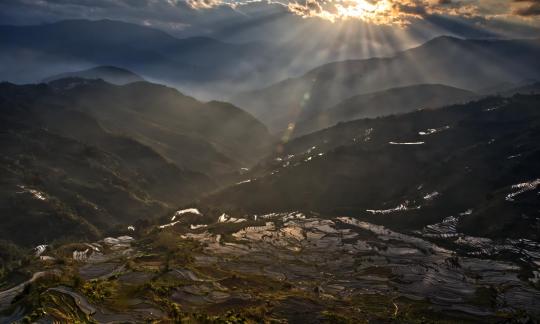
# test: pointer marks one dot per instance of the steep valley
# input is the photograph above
(429, 216)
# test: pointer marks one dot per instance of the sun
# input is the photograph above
(374, 11)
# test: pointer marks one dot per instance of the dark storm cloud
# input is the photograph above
(531, 9)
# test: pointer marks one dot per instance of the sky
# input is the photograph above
(274, 20)
(308, 33)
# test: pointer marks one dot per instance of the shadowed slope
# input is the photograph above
(80, 157)
(411, 170)
(214, 138)
(388, 102)
(64, 176)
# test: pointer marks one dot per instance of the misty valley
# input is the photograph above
(202, 177)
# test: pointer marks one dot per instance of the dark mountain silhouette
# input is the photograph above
(81, 157)
(387, 102)
(410, 170)
(461, 63)
(110, 74)
(214, 138)
(65, 176)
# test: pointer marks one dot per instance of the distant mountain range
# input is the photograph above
(32, 53)
(209, 68)
(111, 74)
(82, 157)
(465, 64)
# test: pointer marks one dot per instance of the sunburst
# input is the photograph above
(375, 11)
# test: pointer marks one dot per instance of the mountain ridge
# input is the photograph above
(442, 61)
(109, 73)
(385, 102)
